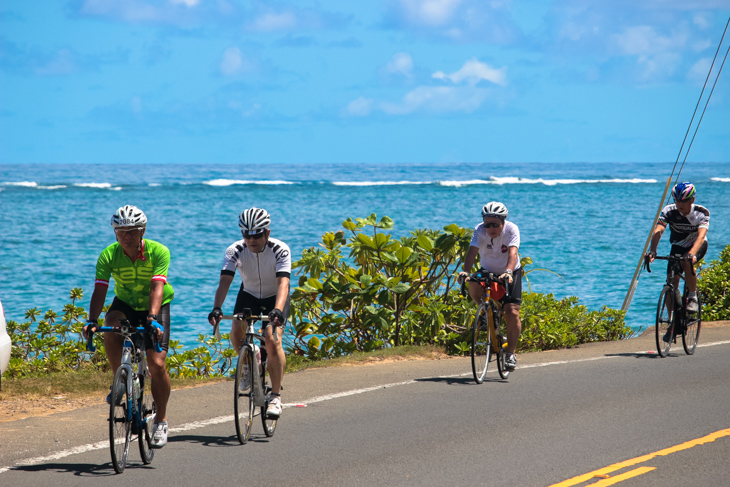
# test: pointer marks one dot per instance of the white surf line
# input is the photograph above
(223, 419)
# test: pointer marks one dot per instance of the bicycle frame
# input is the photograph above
(675, 269)
(247, 325)
(133, 360)
(482, 348)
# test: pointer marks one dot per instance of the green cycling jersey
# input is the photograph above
(132, 280)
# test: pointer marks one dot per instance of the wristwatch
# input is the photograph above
(154, 317)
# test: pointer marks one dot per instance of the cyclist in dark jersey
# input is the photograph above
(142, 295)
(688, 224)
(265, 267)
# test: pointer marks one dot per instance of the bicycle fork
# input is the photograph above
(259, 397)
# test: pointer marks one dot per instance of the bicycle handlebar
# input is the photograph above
(670, 258)
(244, 315)
(488, 277)
(124, 328)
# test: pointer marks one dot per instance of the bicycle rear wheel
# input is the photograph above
(120, 431)
(481, 344)
(501, 344)
(664, 321)
(691, 332)
(147, 415)
(268, 423)
(243, 406)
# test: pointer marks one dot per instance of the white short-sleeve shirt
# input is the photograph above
(494, 253)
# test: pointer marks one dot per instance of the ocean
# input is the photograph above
(587, 222)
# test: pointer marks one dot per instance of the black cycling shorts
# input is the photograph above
(678, 250)
(515, 289)
(262, 306)
(139, 318)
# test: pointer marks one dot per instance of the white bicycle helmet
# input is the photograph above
(129, 216)
(494, 208)
(254, 220)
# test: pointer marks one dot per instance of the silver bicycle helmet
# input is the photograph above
(129, 216)
(494, 208)
(254, 220)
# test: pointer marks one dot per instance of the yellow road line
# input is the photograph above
(628, 463)
(619, 478)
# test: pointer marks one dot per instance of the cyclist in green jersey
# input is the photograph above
(142, 296)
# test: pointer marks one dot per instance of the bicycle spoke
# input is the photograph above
(243, 395)
(120, 431)
(664, 321)
(481, 346)
(691, 333)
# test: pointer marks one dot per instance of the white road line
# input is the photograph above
(224, 419)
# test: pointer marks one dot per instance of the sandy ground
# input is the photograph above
(12, 410)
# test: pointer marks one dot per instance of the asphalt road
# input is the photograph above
(601, 414)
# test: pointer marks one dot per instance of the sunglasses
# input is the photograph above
(254, 237)
(492, 225)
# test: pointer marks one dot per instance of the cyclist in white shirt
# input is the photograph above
(265, 267)
(497, 242)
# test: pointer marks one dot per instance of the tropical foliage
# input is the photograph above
(714, 288)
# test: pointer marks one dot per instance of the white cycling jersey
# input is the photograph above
(494, 253)
(259, 271)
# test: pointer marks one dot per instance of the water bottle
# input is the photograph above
(257, 352)
(135, 392)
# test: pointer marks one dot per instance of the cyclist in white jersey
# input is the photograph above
(265, 267)
(497, 241)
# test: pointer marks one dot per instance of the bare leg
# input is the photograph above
(113, 343)
(514, 326)
(160, 382)
(276, 358)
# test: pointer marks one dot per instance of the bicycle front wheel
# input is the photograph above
(691, 332)
(243, 407)
(664, 321)
(147, 417)
(501, 344)
(120, 422)
(269, 423)
(481, 344)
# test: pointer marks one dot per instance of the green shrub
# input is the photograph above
(714, 288)
(402, 291)
(548, 324)
(40, 347)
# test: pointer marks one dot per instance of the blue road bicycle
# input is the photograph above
(131, 409)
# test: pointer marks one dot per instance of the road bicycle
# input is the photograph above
(672, 317)
(489, 329)
(132, 410)
(251, 371)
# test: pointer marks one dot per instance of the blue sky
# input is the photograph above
(379, 81)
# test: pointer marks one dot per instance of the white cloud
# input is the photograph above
(401, 63)
(643, 40)
(270, 22)
(473, 71)
(234, 62)
(698, 71)
(188, 3)
(136, 104)
(64, 63)
(431, 13)
(440, 99)
(359, 108)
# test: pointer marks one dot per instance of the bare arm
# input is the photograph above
(97, 304)
(512, 258)
(224, 284)
(701, 234)
(658, 232)
(282, 293)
